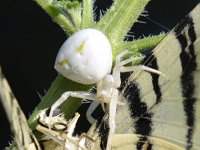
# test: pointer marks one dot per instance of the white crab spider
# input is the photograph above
(86, 57)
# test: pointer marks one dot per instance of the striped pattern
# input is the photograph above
(159, 109)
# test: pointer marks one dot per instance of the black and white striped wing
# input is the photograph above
(166, 108)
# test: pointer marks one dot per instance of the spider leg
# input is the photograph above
(90, 110)
(120, 55)
(119, 67)
(126, 61)
(65, 96)
(141, 67)
(131, 59)
(112, 114)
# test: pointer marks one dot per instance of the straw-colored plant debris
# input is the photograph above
(22, 134)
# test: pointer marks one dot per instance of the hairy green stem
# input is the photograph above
(57, 16)
(87, 16)
(120, 18)
(139, 45)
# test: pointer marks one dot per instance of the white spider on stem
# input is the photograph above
(86, 58)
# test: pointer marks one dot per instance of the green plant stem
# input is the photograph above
(57, 16)
(119, 18)
(87, 16)
(143, 43)
(139, 45)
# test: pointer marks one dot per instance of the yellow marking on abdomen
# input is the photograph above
(63, 62)
(80, 48)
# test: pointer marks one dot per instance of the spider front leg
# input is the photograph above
(120, 64)
(120, 67)
(65, 96)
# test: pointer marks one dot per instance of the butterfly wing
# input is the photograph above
(168, 107)
(128, 140)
